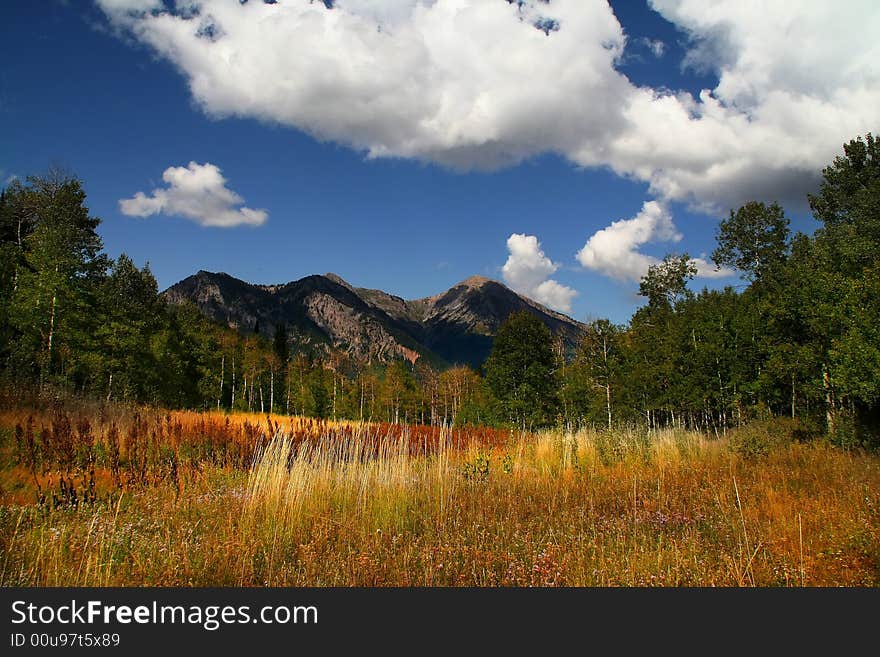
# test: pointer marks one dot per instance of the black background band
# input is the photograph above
(469, 621)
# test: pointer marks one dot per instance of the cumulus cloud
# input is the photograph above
(528, 272)
(463, 83)
(793, 86)
(555, 295)
(483, 84)
(197, 192)
(613, 251)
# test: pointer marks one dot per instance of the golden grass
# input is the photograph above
(583, 509)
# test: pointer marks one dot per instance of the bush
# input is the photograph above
(763, 436)
(477, 469)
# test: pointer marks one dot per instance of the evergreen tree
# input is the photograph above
(521, 371)
(132, 317)
(318, 404)
(279, 361)
(280, 345)
(11, 259)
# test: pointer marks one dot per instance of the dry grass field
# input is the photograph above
(106, 495)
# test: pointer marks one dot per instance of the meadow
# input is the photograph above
(108, 495)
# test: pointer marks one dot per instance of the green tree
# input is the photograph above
(653, 352)
(14, 227)
(280, 360)
(848, 204)
(754, 240)
(398, 391)
(188, 355)
(845, 258)
(521, 371)
(280, 345)
(462, 397)
(318, 402)
(54, 296)
(600, 352)
(131, 316)
(665, 283)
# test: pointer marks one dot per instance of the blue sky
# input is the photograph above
(119, 97)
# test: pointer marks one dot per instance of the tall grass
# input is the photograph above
(374, 481)
(376, 506)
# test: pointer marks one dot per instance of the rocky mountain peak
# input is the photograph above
(475, 281)
(456, 326)
(338, 280)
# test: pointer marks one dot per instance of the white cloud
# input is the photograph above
(555, 295)
(707, 269)
(656, 46)
(387, 13)
(197, 192)
(528, 272)
(138, 6)
(613, 251)
(463, 83)
(473, 84)
(793, 86)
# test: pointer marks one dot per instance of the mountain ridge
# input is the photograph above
(456, 326)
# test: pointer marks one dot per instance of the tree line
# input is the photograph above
(74, 320)
(800, 339)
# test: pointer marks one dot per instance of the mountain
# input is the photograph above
(456, 326)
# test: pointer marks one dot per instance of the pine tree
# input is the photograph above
(131, 317)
